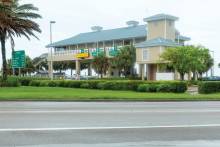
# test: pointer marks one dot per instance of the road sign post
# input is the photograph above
(18, 60)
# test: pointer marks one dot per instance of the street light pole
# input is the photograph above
(212, 69)
(51, 50)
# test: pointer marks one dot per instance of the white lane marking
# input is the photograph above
(105, 128)
(106, 111)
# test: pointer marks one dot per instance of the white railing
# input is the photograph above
(74, 52)
(66, 52)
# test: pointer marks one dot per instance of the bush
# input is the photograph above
(52, 83)
(133, 85)
(209, 87)
(43, 84)
(119, 85)
(103, 86)
(143, 88)
(74, 84)
(84, 85)
(61, 83)
(164, 88)
(152, 88)
(93, 84)
(178, 87)
(147, 87)
(35, 83)
(192, 82)
(174, 86)
(10, 82)
(25, 81)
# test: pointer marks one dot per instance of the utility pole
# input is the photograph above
(213, 67)
(51, 51)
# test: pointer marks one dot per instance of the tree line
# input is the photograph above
(183, 59)
(188, 59)
(124, 62)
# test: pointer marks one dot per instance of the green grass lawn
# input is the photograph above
(68, 94)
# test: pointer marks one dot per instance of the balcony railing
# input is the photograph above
(65, 52)
(109, 51)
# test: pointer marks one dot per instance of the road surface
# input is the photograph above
(57, 124)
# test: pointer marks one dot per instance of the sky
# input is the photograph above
(198, 19)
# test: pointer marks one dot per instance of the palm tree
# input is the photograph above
(125, 60)
(16, 21)
(101, 64)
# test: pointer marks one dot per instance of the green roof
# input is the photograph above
(161, 17)
(157, 42)
(103, 35)
(184, 38)
(107, 35)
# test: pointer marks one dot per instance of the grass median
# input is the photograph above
(69, 94)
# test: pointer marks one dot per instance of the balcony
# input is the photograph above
(66, 55)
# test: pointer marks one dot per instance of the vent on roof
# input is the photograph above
(132, 23)
(97, 28)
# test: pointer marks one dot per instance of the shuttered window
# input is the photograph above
(145, 54)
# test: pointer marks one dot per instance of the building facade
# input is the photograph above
(150, 40)
(162, 34)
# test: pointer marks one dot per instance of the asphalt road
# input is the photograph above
(51, 124)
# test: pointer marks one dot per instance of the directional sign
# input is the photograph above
(113, 51)
(98, 51)
(18, 59)
(84, 53)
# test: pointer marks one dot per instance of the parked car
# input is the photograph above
(213, 78)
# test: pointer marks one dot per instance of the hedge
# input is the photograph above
(10, 82)
(174, 87)
(209, 87)
(141, 86)
(25, 81)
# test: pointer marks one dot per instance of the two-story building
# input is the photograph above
(150, 40)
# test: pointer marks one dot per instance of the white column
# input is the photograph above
(50, 69)
(78, 68)
(134, 41)
(142, 72)
(77, 46)
(90, 69)
(147, 71)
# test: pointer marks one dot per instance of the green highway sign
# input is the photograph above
(98, 52)
(113, 51)
(18, 59)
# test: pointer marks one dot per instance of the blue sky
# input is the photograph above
(199, 19)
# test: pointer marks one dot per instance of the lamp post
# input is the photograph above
(213, 67)
(51, 50)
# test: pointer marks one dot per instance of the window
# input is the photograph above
(170, 23)
(145, 54)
